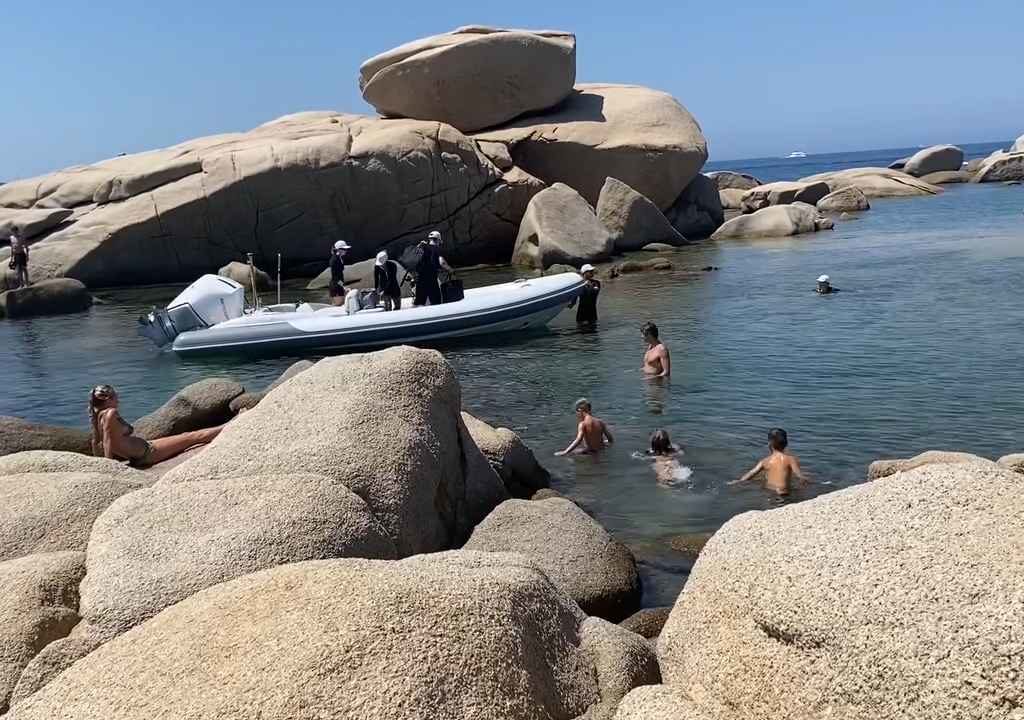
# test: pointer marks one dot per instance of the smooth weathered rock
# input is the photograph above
(937, 158)
(884, 468)
(774, 221)
(52, 512)
(560, 227)
(643, 137)
(577, 554)
(514, 462)
(160, 545)
(55, 658)
(848, 199)
(622, 660)
(386, 425)
(782, 193)
(1002, 168)
(57, 461)
(358, 274)
(31, 222)
(948, 177)
(38, 604)
(292, 186)
(658, 248)
(631, 219)
(17, 435)
(249, 400)
(731, 198)
(203, 404)
(239, 272)
(876, 182)
(472, 77)
(697, 212)
(729, 180)
(636, 266)
(1014, 462)
(431, 636)
(56, 296)
(885, 600)
(647, 623)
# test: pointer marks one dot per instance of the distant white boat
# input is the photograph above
(796, 154)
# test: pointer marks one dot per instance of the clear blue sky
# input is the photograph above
(87, 80)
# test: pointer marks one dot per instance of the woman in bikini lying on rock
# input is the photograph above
(114, 438)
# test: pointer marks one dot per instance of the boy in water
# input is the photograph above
(657, 362)
(592, 431)
(779, 468)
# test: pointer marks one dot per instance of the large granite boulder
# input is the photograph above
(631, 219)
(160, 545)
(473, 77)
(729, 180)
(698, 211)
(731, 198)
(58, 461)
(251, 399)
(876, 182)
(239, 272)
(578, 555)
(847, 199)
(387, 426)
(783, 193)
(560, 227)
(643, 137)
(884, 468)
(17, 435)
(51, 512)
(774, 221)
(886, 600)
(937, 158)
(31, 222)
(38, 604)
(455, 635)
(203, 404)
(514, 462)
(292, 186)
(1002, 168)
(56, 296)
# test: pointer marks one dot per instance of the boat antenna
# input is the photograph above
(279, 278)
(252, 281)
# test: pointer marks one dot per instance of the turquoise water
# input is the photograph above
(921, 349)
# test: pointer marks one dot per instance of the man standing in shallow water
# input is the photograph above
(657, 362)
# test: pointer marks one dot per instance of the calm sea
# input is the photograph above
(923, 348)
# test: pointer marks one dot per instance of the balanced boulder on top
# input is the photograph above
(473, 77)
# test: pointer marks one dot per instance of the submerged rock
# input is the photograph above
(857, 605)
(574, 551)
(560, 227)
(56, 296)
(937, 158)
(632, 220)
(473, 77)
(774, 221)
(637, 266)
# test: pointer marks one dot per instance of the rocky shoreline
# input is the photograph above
(373, 549)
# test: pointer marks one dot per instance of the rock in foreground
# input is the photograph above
(886, 600)
(560, 227)
(643, 137)
(578, 555)
(455, 635)
(56, 296)
(632, 220)
(937, 158)
(472, 77)
(884, 468)
(775, 221)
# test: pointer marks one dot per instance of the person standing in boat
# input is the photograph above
(428, 290)
(385, 281)
(336, 288)
(586, 313)
(19, 257)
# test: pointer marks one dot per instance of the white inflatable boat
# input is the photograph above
(209, 316)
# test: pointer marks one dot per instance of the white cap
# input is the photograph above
(342, 245)
(586, 268)
(823, 278)
(433, 235)
(382, 257)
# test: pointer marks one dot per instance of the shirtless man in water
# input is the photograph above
(591, 433)
(657, 362)
(780, 467)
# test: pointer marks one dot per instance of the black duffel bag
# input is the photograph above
(451, 290)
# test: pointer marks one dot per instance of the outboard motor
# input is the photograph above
(209, 300)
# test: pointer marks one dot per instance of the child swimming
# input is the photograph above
(780, 468)
(667, 469)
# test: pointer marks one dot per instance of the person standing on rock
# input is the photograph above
(385, 281)
(428, 290)
(19, 257)
(586, 313)
(657, 362)
(336, 288)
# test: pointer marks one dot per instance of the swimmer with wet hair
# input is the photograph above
(666, 469)
(780, 468)
(592, 434)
